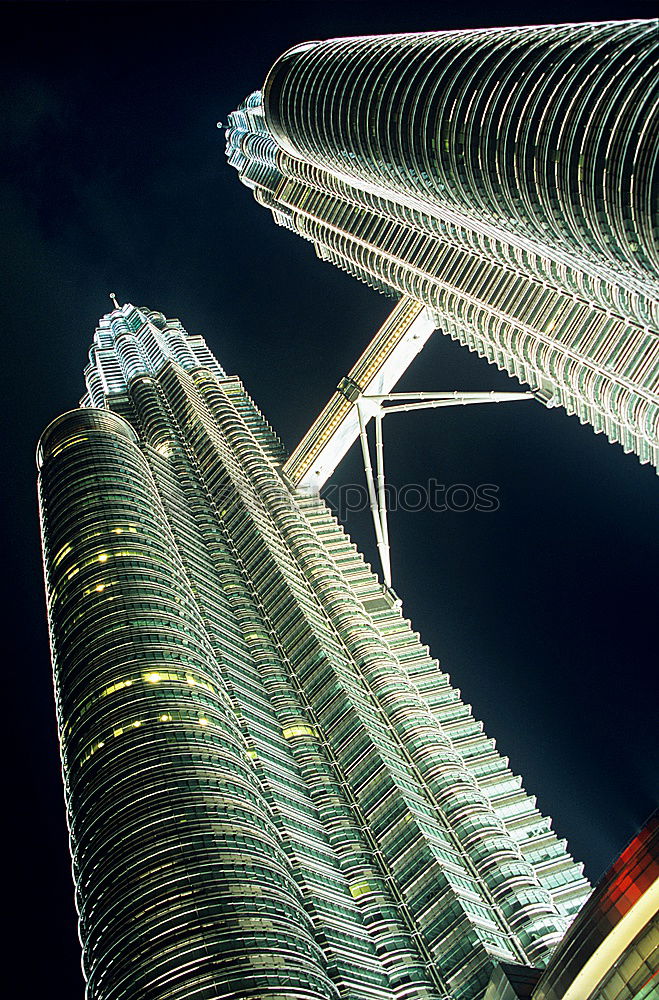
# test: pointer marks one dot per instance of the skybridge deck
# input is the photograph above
(387, 357)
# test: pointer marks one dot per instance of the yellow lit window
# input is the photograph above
(115, 687)
(98, 589)
(64, 551)
(359, 889)
(300, 730)
(67, 444)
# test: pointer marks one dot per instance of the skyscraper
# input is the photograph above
(272, 789)
(504, 177)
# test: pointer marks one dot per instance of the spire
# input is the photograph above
(114, 300)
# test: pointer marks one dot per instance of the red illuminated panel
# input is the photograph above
(631, 874)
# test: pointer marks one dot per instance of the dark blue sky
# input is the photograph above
(543, 611)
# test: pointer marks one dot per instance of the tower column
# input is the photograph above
(182, 885)
(530, 915)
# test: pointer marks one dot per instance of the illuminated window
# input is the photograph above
(299, 730)
(359, 889)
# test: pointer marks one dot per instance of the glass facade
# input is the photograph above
(272, 788)
(506, 178)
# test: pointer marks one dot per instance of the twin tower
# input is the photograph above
(273, 790)
(506, 178)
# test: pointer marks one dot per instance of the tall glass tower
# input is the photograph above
(504, 177)
(272, 788)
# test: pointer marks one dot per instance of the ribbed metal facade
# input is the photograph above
(272, 789)
(504, 177)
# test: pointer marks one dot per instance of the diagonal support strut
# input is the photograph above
(404, 402)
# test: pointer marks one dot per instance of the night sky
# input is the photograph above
(543, 612)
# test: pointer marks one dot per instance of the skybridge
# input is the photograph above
(365, 394)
